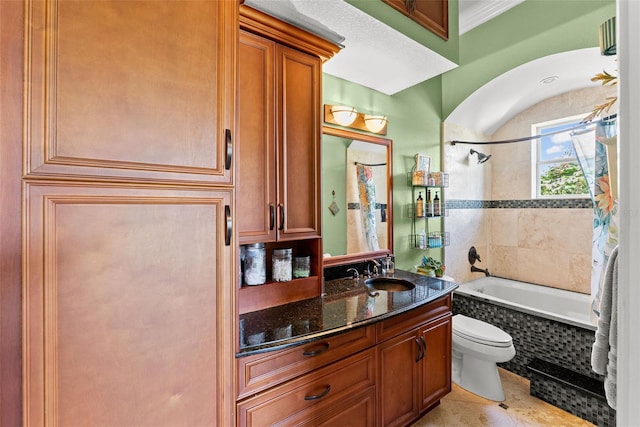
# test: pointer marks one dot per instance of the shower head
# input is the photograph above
(481, 156)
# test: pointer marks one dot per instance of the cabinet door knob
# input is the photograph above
(229, 142)
(229, 220)
(319, 396)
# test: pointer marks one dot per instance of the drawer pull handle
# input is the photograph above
(281, 216)
(229, 142)
(419, 350)
(272, 216)
(229, 221)
(319, 396)
(424, 346)
(321, 350)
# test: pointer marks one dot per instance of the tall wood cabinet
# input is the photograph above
(278, 149)
(128, 213)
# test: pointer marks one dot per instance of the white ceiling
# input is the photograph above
(381, 58)
(499, 100)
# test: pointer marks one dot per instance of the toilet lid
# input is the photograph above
(480, 332)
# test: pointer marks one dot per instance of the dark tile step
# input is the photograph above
(576, 380)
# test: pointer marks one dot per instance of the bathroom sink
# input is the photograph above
(389, 284)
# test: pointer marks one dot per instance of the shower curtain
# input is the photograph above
(592, 147)
(367, 193)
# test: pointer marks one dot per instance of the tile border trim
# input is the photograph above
(521, 204)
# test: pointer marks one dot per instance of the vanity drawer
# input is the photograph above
(319, 395)
(403, 322)
(261, 371)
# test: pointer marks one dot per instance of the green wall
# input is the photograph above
(414, 127)
(531, 30)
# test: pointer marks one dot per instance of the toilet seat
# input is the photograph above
(480, 332)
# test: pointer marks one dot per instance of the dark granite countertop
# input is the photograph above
(347, 304)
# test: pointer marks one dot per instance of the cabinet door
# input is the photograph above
(256, 150)
(126, 291)
(298, 76)
(431, 14)
(399, 381)
(436, 364)
(131, 90)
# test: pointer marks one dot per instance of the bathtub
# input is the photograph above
(551, 303)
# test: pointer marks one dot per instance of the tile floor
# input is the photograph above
(461, 408)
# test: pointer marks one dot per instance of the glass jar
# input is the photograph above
(255, 263)
(301, 266)
(281, 259)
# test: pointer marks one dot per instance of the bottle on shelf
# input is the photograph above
(429, 204)
(420, 206)
(436, 205)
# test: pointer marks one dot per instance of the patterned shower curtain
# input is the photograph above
(595, 164)
(367, 193)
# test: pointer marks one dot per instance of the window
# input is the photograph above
(555, 169)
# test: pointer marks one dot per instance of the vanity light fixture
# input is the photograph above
(375, 124)
(350, 117)
(344, 115)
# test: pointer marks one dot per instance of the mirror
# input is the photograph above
(356, 196)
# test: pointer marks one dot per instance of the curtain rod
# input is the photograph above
(370, 164)
(529, 138)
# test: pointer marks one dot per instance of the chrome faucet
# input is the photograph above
(376, 265)
(356, 275)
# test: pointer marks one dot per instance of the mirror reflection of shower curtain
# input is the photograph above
(592, 157)
(367, 194)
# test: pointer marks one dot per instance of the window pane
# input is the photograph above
(558, 146)
(564, 178)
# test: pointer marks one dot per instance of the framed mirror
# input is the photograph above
(357, 220)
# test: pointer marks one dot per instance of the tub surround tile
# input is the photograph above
(503, 223)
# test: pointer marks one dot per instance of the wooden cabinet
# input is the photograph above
(128, 251)
(131, 90)
(259, 372)
(415, 366)
(123, 296)
(431, 14)
(279, 141)
(410, 355)
(278, 159)
(333, 394)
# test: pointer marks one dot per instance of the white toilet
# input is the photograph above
(477, 347)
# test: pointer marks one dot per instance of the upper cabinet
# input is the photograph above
(431, 14)
(279, 141)
(278, 131)
(131, 90)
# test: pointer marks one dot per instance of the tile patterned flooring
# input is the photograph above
(461, 408)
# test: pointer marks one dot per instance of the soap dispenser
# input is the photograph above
(387, 265)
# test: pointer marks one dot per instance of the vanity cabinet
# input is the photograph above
(342, 393)
(415, 365)
(385, 374)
